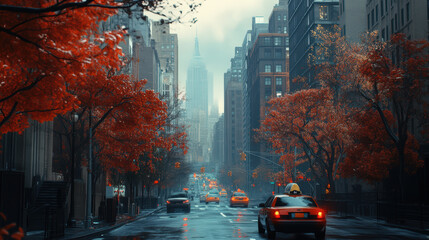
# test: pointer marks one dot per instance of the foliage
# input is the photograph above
(48, 46)
(5, 229)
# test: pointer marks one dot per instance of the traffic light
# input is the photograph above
(254, 174)
(242, 156)
(177, 165)
(229, 173)
(203, 169)
(195, 175)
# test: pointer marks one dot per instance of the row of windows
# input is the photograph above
(268, 95)
(278, 68)
(373, 17)
(277, 41)
(278, 53)
(279, 81)
(279, 17)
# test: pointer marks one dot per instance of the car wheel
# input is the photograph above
(261, 229)
(320, 235)
(270, 234)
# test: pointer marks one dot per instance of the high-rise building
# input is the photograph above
(197, 107)
(166, 45)
(304, 17)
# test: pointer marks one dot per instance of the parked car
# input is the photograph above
(291, 212)
(178, 200)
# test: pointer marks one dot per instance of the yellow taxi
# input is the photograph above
(291, 212)
(239, 198)
(212, 197)
(223, 193)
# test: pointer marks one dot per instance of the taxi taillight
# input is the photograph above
(276, 214)
(186, 201)
(168, 202)
(320, 215)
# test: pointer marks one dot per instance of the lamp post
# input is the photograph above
(75, 118)
(89, 179)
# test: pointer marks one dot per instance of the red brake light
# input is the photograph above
(320, 215)
(168, 202)
(276, 214)
(186, 201)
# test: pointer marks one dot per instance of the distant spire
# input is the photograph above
(197, 48)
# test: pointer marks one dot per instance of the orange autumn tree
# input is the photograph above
(42, 54)
(46, 46)
(393, 89)
(309, 120)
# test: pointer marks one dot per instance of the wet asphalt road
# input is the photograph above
(218, 222)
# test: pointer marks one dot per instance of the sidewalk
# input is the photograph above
(376, 221)
(79, 232)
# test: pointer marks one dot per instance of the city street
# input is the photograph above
(214, 221)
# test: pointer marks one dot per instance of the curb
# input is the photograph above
(109, 228)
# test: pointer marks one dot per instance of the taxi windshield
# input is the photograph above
(212, 195)
(240, 194)
(295, 202)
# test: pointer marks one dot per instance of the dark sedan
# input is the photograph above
(178, 200)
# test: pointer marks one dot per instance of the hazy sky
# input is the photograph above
(221, 26)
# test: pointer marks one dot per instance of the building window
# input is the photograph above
(323, 12)
(267, 41)
(402, 17)
(279, 17)
(308, 39)
(376, 13)
(267, 68)
(385, 5)
(285, 18)
(396, 22)
(383, 35)
(278, 53)
(278, 68)
(381, 8)
(267, 52)
(267, 81)
(279, 29)
(284, 29)
(279, 81)
(369, 26)
(408, 12)
(277, 41)
(387, 33)
(392, 27)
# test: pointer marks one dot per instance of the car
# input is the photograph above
(223, 193)
(239, 199)
(212, 197)
(203, 198)
(291, 212)
(178, 200)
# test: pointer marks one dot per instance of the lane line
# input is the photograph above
(223, 215)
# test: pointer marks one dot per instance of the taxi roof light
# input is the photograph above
(292, 189)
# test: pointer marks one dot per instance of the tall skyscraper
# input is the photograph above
(197, 107)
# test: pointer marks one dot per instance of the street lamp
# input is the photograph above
(75, 118)
(89, 179)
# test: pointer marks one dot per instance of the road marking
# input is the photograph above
(254, 220)
(230, 221)
(223, 215)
